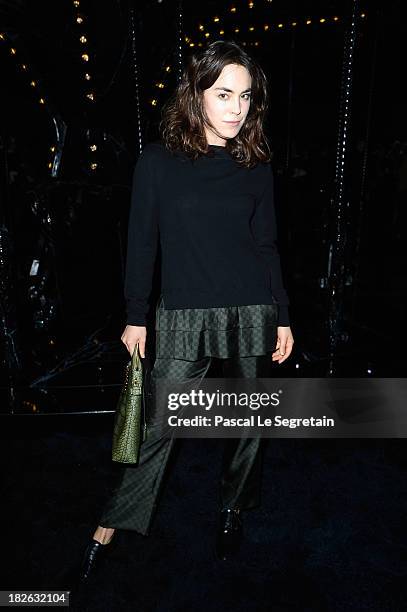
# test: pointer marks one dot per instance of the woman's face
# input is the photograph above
(227, 103)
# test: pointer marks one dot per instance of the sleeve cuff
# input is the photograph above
(140, 320)
(283, 317)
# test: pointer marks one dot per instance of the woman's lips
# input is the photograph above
(232, 122)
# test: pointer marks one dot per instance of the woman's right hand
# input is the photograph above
(132, 335)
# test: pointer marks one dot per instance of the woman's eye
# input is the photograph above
(247, 98)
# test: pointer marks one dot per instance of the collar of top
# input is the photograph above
(219, 151)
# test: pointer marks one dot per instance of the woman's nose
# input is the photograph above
(236, 107)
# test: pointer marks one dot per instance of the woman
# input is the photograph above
(205, 191)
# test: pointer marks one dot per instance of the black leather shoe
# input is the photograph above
(92, 556)
(229, 534)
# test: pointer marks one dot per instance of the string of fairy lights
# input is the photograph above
(85, 55)
(33, 81)
(215, 30)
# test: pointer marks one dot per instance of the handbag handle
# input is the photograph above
(136, 357)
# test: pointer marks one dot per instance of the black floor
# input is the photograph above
(330, 534)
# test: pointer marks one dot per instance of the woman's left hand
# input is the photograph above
(284, 344)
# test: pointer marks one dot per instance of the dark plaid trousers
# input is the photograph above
(133, 500)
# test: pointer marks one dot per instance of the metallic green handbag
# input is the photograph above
(130, 424)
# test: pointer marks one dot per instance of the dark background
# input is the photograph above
(66, 320)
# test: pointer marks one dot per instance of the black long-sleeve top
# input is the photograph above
(215, 221)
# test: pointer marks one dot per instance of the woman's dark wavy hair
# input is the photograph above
(183, 116)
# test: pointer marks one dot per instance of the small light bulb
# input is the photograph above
(93, 147)
(87, 76)
(93, 166)
(83, 39)
(85, 57)
(41, 101)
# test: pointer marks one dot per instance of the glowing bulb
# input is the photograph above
(87, 76)
(280, 25)
(85, 57)
(206, 34)
(154, 102)
(41, 101)
(13, 51)
(266, 26)
(251, 28)
(168, 68)
(23, 66)
(79, 19)
(33, 83)
(233, 9)
(308, 21)
(83, 39)
(52, 149)
(201, 27)
(216, 18)
(93, 166)
(237, 30)
(76, 2)
(322, 20)
(2, 37)
(90, 96)
(93, 147)
(221, 32)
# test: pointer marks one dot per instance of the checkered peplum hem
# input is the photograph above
(194, 333)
